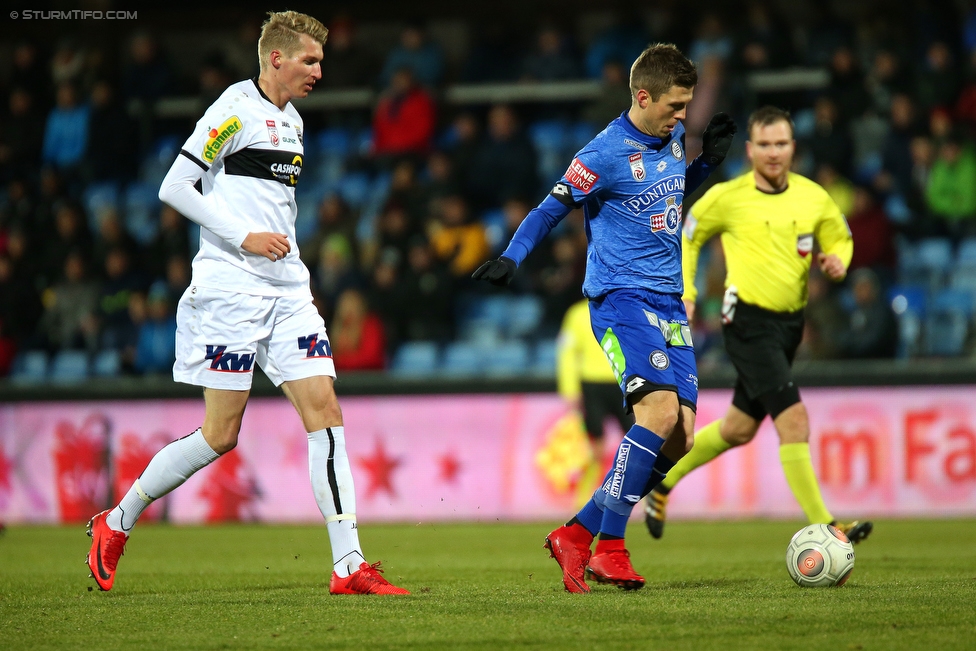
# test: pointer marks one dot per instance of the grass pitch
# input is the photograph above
(714, 585)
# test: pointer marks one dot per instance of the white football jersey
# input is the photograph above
(252, 155)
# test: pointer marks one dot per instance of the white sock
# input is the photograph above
(328, 468)
(171, 466)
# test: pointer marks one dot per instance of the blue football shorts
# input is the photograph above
(646, 337)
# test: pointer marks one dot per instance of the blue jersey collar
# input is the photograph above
(640, 136)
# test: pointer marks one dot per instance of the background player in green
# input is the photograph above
(768, 219)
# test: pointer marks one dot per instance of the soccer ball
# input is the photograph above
(820, 556)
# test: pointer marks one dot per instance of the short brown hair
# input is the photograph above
(660, 67)
(767, 115)
(282, 30)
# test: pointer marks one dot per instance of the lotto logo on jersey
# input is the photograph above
(315, 347)
(580, 176)
(218, 137)
(637, 166)
(670, 219)
(224, 362)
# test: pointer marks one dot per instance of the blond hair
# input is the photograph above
(282, 31)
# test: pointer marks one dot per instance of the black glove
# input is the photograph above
(718, 138)
(497, 272)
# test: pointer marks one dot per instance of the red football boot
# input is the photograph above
(107, 546)
(570, 546)
(365, 580)
(613, 566)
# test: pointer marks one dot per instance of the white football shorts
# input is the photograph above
(220, 335)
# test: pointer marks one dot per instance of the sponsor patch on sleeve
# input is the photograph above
(581, 177)
(690, 224)
(219, 136)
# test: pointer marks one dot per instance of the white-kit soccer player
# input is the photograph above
(249, 300)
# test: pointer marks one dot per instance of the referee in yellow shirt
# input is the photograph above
(768, 220)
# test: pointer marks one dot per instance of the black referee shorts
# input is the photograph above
(602, 399)
(762, 345)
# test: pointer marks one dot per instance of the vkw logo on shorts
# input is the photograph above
(659, 360)
(315, 347)
(224, 362)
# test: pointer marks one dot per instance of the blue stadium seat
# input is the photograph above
(963, 276)
(465, 359)
(580, 134)
(29, 367)
(926, 262)
(544, 358)
(483, 319)
(495, 229)
(142, 211)
(69, 366)
(908, 302)
(308, 212)
(416, 359)
(967, 251)
(947, 323)
(107, 363)
(507, 359)
(524, 315)
(549, 137)
(160, 158)
(333, 146)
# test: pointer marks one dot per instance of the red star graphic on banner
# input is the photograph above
(380, 468)
(450, 467)
(5, 468)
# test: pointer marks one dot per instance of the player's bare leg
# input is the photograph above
(315, 400)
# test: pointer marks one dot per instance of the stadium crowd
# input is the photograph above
(399, 202)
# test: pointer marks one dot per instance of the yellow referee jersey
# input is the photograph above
(767, 238)
(580, 357)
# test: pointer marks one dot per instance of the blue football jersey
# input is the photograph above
(631, 187)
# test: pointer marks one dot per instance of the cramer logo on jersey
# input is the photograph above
(669, 185)
(580, 176)
(219, 136)
(288, 173)
(670, 219)
(224, 362)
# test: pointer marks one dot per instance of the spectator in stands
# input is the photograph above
(70, 236)
(937, 81)
(923, 156)
(551, 59)
(156, 350)
(21, 136)
(896, 156)
(213, 77)
(406, 192)
(17, 207)
(874, 245)
(29, 73)
(177, 277)
(614, 96)
(239, 52)
(170, 240)
(951, 189)
(336, 273)
(763, 42)
(848, 90)
(965, 109)
(126, 341)
(112, 235)
(439, 181)
(458, 241)
(113, 304)
(346, 65)
(403, 123)
(504, 164)
(623, 40)
(417, 53)
(831, 142)
(20, 306)
(68, 321)
(395, 230)
(872, 332)
(387, 298)
(493, 55)
(711, 39)
(940, 124)
(356, 334)
(334, 218)
(839, 188)
(67, 63)
(9, 316)
(560, 283)
(463, 142)
(50, 197)
(147, 75)
(823, 320)
(66, 132)
(425, 296)
(886, 79)
(112, 138)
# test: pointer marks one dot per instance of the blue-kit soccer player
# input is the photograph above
(631, 180)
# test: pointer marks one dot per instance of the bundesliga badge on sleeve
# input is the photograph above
(272, 132)
(637, 166)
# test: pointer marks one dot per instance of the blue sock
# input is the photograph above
(590, 516)
(662, 467)
(631, 470)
